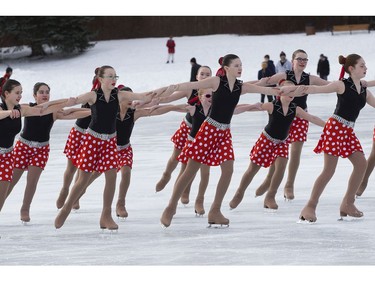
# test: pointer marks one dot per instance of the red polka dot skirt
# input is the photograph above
(182, 157)
(180, 136)
(73, 143)
(97, 154)
(125, 156)
(265, 151)
(298, 130)
(211, 146)
(25, 155)
(6, 166)
(338, 139)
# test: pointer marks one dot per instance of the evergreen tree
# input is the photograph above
(64, 34)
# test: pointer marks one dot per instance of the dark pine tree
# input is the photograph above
(65, 34)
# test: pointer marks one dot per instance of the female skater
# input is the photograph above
(338, 138)
(180, 136)
(31, 151)
(299, 128)
(10, 126)
(213, 143)
(126, 117)
(272, 147)
(99, 150)
(71, 147)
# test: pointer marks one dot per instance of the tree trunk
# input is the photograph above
(37, 50)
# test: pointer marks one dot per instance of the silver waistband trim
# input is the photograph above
(101, 136)
(79, 129)
(218, 125)
(347, 123)
(121, 147)
(277, 141)
(33, 143)
(187, 122)
(5, 150)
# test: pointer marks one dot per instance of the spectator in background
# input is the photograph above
(283, 64)
(323, 67)
(8, 73)
(264, 72)
(171, 49)
(220, 72)
(194, 69)
(270, 65)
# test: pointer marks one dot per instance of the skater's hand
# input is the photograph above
(14, 113)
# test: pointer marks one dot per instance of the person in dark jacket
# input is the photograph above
(323, 67)
(270, 65)
(194, 69)
(264, 72)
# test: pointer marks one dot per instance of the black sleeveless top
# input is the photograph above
(224, 101)
(350, 103)
(305, 80)
(278, 125)
(193, 100)
(125, 127)
(37, 128)
(9, 128)
(103, 113)
(83, 123)
(198, 119)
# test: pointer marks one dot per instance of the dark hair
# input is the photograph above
(38, 85)
(103, 69)
(128, 89)
(9, 85)
(205, 66)
(122, 87)
(193, 60)
(227, 59)
(350, 60)
(8, 69)
(267, 56)
(296, 52)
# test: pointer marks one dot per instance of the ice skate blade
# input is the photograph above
(199, 215)
(289, 200)
(303, 221)
(217, 226)
(121, 218)
(109, 231)
(163, 226)
(25, 223)
(350, 219)
(270, 211)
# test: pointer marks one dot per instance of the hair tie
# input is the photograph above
(342, 73)
(96, 85)
(193, 100)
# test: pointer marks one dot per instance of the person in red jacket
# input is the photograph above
(171, 49)
(8, 73)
